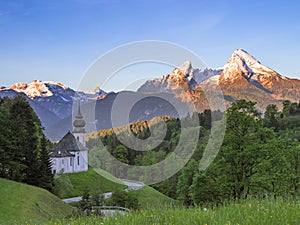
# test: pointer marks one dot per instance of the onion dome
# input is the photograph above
(79, 122)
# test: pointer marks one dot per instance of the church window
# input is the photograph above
(78, 160)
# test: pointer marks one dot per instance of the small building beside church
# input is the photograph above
(70, 155)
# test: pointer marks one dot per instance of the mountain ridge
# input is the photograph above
(242, 77)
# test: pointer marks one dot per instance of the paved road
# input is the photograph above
(131, 185)
(77, 199)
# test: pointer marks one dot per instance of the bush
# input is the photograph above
(121, 198)
(62, 186)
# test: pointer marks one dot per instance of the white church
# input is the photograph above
(70, 155)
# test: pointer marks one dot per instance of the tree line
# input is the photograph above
(259, 157)
(24, 149)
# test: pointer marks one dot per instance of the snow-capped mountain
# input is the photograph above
(184, 82)
(38, 88)
(245, 77)
(45, 89)
(52, 101)
(242, 62)
(242, 65)
(184, 77)
(242, 77)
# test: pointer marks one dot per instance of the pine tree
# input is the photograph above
(26, 139)
(24, 152)
(8, 167)
(46, 176)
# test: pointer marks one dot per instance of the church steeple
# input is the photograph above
(79, 127)
(79, 122)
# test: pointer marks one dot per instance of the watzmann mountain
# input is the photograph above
(242, 77)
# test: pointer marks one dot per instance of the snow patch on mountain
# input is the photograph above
(36, 88)
(241, 62)
(181, 78)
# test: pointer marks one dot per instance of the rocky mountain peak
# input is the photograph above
(36, 88)
(243, 65)
(186, 67)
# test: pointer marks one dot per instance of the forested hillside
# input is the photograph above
(24, 149)
(259, 157)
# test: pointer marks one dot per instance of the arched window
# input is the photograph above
(78, 160)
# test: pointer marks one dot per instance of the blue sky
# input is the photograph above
(59, 39)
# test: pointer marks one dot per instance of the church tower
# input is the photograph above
(79, 130)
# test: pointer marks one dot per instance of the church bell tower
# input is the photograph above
(79, 130)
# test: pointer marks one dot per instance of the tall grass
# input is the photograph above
(250, 212)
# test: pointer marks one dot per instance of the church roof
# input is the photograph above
(65, 145)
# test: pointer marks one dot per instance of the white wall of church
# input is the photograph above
(80, 161)
(62, 165)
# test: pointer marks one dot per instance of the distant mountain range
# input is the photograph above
(52, 101)
(242, 77)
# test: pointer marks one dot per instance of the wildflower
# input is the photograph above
(204, 209)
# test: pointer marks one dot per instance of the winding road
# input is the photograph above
(131, 186)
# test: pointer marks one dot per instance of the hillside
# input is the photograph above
(20, 202)
(96, 181)
(136, 127)
(149, 198)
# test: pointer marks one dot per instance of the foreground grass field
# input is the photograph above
(250, 212)
(21, 202)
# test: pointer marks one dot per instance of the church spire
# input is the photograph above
(79, 122)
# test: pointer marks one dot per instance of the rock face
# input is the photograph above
(185, 83)
(242, 77)
(183, 78)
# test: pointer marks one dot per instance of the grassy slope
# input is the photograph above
(97, 182)
(150, 198)
(19, 202)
